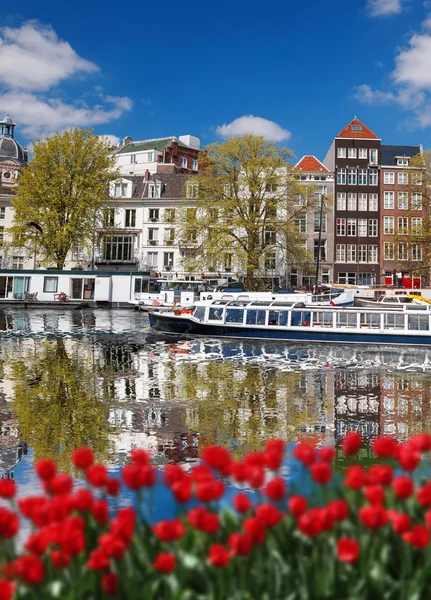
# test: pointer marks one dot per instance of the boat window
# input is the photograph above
(199, 312)
(261, 303)
(393, 321)
(283, 315)
(301, 317)
(418, 322)
(215, 313)
(239, 303)
(405, 300)
(273, 317)
(324, 319)
(256, 317)
(234, 315)
(282, 304)
(370, 319)
(390, 300)
(346, 319)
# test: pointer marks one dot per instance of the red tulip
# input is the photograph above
(352, 443)
(348, 550)
(321, 472)
(218, 556)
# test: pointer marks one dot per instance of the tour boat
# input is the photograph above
(296, 322)
(391, 300)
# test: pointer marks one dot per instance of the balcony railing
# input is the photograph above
(104, 260)
(153, 242)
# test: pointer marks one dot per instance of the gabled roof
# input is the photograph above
(356, 129)
(310, 164)
(159, 144)
(389, 153)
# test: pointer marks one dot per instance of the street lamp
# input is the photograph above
(322, 196)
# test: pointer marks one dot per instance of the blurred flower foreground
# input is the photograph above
(363, 535)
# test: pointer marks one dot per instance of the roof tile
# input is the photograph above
(356, 129)
(310, 164)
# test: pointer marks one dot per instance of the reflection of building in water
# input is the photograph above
(357, 403)
(11, 447)
(406, 404)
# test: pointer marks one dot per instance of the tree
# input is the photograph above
(61, 194)
(242, 209)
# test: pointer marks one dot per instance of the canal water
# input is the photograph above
(103, 379)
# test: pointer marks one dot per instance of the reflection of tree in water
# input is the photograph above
(236, 404)
(59, 402)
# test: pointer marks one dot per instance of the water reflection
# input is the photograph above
(70, 377)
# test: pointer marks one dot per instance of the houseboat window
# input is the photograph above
(256, 317)
(141, 285)
(393, 321)
(216, 313)
(370, 319)
(50, 284)
(199, 312)
(234, 315)
(345, 319)
(418, 322)
(324, 319)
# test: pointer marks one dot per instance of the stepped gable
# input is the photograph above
(356, 129)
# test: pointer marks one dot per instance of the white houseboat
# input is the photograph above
(275, 320)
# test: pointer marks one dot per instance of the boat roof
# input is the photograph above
(278, 304)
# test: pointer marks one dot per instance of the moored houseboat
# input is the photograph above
(276, 320)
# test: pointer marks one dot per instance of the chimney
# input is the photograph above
(127, 140)
(147, 175)
(167, 168)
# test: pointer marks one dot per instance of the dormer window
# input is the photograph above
(192, 190)
(120, 190)
(402, 161)
(155, 190)
(133, 159)
(356, 128)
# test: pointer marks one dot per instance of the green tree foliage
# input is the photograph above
(243, 204)
(62, 191)
(59, 403)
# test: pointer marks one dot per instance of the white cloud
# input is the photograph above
(426, 24)
(412, 65)
(38, 117)
(111, 139)
(365, 94)
(33, 58)
(256, 125)
(385, 8)
(33, 61)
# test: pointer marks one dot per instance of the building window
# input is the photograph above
(168, 260)
(270, 260)
(388, 178)
(154, 214)
(362, 227)
(169, 236)
(169, 215)
(351, 201)
(133, 159)
(352, 153)
(50, 285)
(120, 190)
(389, 225)
(403, 200)
(341, 176)
(351, 176)
(227, 263)
(362, 202)
(416, 201)
(362, 153)
(301, 222)
(416, 178)
(341, 153)
(351, 253)
(341, 227)
(416, 252)
(194, 165)
(341, 201)
(317, 222)
(192, 190)
(154, 190)
(1, 236)
(269, 237)
(351, 227)
(374, 202)
(184, 162)
(373, 254)
(403, 226)
(403, 253)
(109, 217)
(373, 178)
(373, 157)
(372, 227)
(403, 178)
(17, 262)
(362, 176)
(402, 161)
(117, 248)
(153, 259)
(388, 200)
(388, 249)
(153, 237)
(130, 220)
(322, 249)
(416, 225)
(2, 212)
(362, 253)
(340, 253)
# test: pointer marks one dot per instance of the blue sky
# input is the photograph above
(296, 72)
